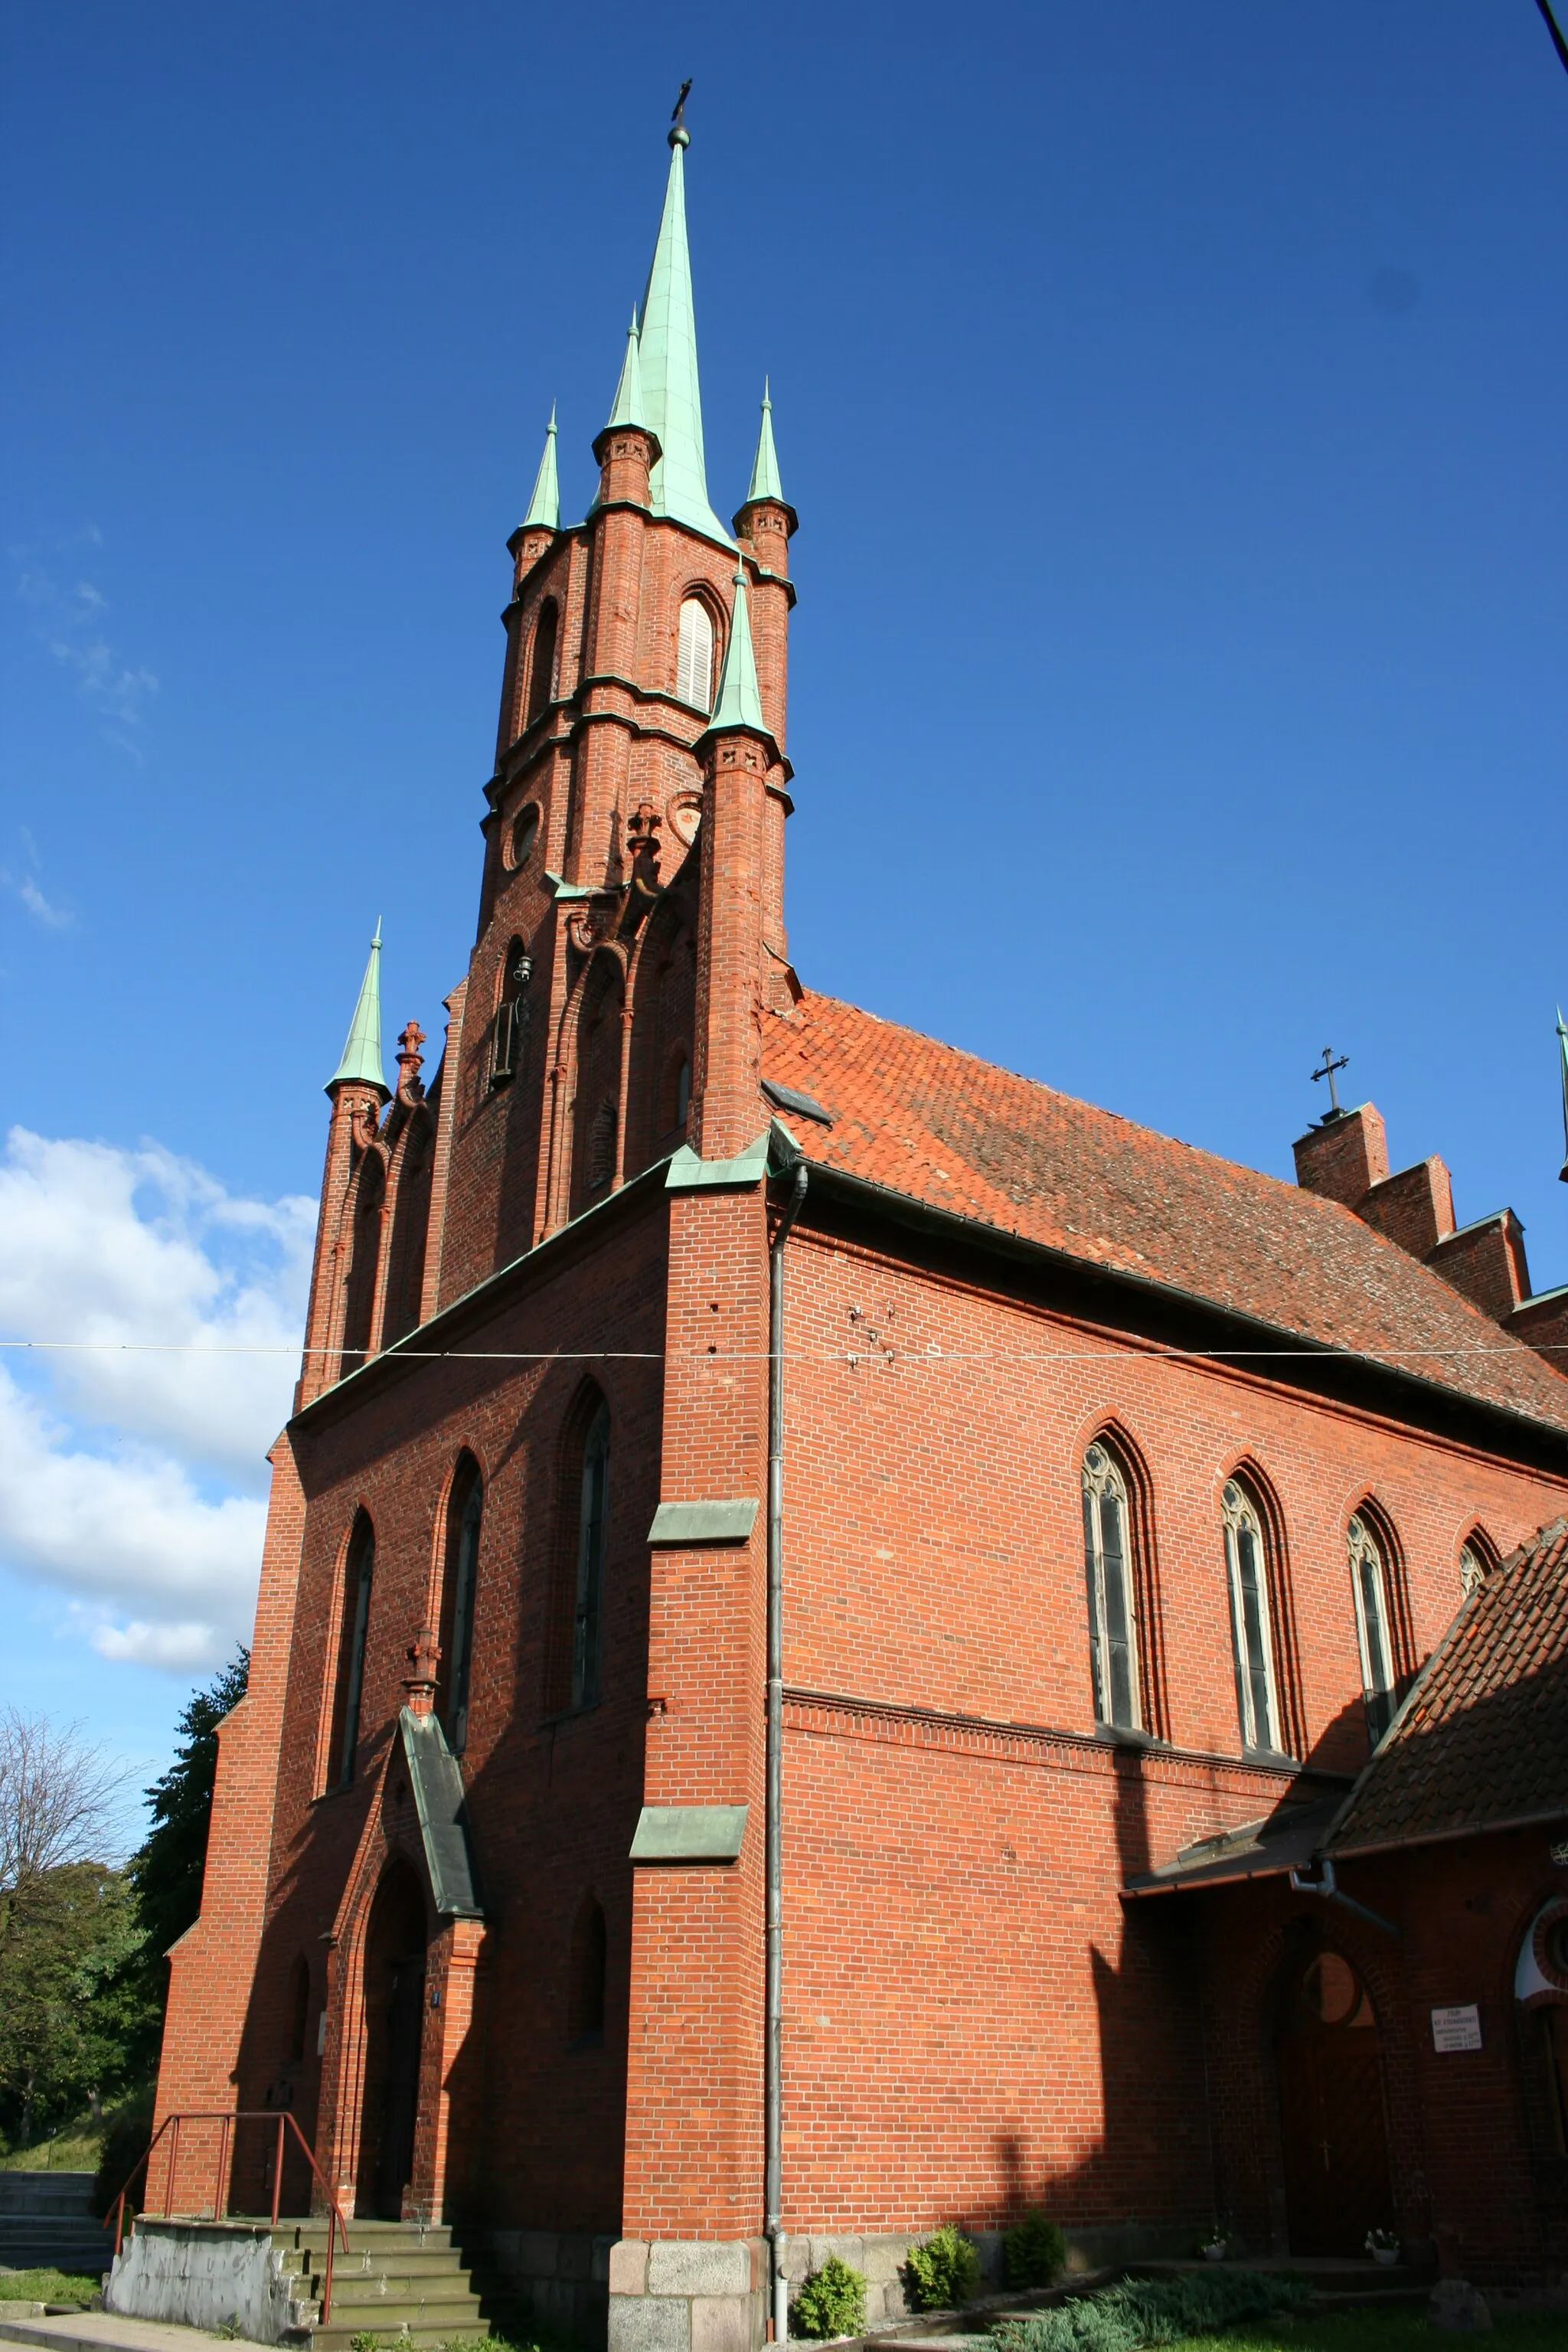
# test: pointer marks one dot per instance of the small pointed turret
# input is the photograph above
(672, 397)
(360, 1063)
(739, 703)
(1563, 1050)
(544, 506)
(629, 401)
(765, 482)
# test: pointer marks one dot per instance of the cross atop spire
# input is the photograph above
(1563, 1050)
(360, 1063)
(672, 397)
(544, 506)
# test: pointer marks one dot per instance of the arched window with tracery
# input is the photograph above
(1370, 1579)
(1251, 1634)
(1109, 1578)
(694, 656)
(1478, 1558)
(465, 1513)
(353, 1632)
(541, 662)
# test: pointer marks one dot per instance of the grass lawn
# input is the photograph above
(76, 2149)
(47, 2286)
(1403, 2329)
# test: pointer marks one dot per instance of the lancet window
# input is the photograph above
(1245, 1563)
(1108, 1570)
(1369, 1579)
(586, 1621)
(465, 1513)
(694, 656)
(354, 1630)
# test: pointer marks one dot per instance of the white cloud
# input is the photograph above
(30, 891)
(69, 621)
(132, 1478)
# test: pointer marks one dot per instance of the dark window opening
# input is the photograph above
(587, 1611)
(542, 669)
(513, 1013)
(585, 2002)
(352, 1632)
(464, 1514)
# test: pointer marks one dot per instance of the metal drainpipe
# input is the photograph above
(773, 2079)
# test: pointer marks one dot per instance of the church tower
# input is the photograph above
(592, 1031)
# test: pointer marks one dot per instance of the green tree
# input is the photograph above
(75, 2018)
(166, 1869)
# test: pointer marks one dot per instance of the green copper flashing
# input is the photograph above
(687, 1173)
(544, 506)
(689, 1833)
(361, 1063)
(740, 700)
(672, 397)
(629, 401)
(703, 1523)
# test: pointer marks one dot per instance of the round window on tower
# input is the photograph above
(522, 837)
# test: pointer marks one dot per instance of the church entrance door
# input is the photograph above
(394, 2023)
(1334, 2135)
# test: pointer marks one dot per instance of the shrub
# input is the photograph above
(1154, 2311)
(1034, 2250)
(946, 2270)
(832, 2302)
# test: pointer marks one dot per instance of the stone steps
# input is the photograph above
(48, 2222)
(406, 2285)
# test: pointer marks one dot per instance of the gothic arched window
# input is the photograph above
(1369, 1578)
(353, 1626)
(1245, 1562)
(694, 656)
(512, 1010)
(1477, 1561)
(465, 1511)
(541, 666)
(1108, 1569)
(587, 1611)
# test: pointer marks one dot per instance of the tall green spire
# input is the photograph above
(544, 506)
(628, 403)
(740, 702)
(1562, 1049)
(765, 482)
(672, 398)
(361, 1063)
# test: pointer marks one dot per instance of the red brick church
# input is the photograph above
(824, 1603)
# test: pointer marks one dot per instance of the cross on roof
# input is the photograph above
(1330, 1066)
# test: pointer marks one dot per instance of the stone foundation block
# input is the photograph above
(698, 2266)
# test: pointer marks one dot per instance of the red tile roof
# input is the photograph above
(956, 1133)
(1482, 1741)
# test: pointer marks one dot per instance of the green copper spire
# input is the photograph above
(628, 407)
(544, 506)
(672, 398)
(361, 1065)
(765, 482)
(739, 702)
(1562, 1049)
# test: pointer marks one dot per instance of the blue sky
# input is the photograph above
(1172, 398)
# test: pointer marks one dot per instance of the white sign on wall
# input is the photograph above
(1457, 2028)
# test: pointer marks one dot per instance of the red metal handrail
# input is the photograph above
(228, 2117)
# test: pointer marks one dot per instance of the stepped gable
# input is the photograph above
(948, 1129)
(1482, 1741)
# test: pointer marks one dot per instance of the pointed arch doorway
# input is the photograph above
(395, 1950)
(1334, 2135)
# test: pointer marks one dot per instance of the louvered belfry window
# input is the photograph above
(694, 656)
(1108, 1569)
(1369, 1577)
(1247, 1570)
